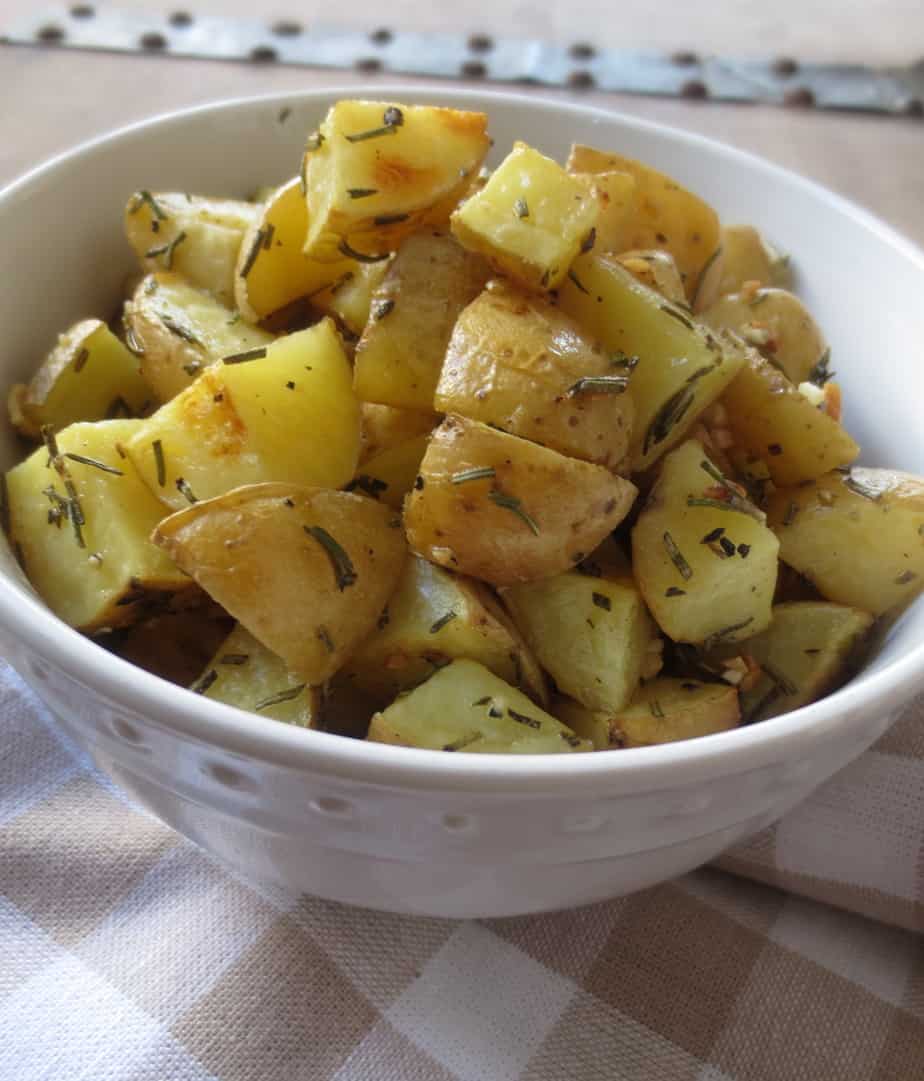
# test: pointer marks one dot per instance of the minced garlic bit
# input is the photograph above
(750, 289)
(832, 402)
(756, 333)
(742, 672)
(815, 395)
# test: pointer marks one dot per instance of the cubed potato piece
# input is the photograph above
(778, 325)
(401, 351)
(465, 707)
(666, 216)
(808, 650)
(590, 633)
(499, 508)
(704, 559)
(89, 375)
(517, 362)
(245, 674)
(173, 645)
(390, 474)
(81, 522)
(434, 617)
(658, 271)
(682, 367)
(197, 236)
(531, 218)
(590, 724)
(376, 172)
(667, 710)
(351, 302)
(284, 411)
(771, 419)
(383, 427)
(307, 571)
(856, 536)
(615, 193)
(178, 330)
(748, 257)
(272, 270)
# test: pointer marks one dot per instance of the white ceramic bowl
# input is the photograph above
(419, 831)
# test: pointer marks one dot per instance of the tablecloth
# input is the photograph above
(127, 954)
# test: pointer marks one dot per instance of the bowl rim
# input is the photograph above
(248, 736)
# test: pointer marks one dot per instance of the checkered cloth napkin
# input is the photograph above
(126, 954)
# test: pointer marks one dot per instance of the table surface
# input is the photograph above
(64, 97)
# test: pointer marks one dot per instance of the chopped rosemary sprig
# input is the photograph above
(522, 718)
(143, 197)
(686, 571)
(131, 342)
(166, 250)
(719, 504)
(390, 219)
(675, 313)
(255, 248)
(484, 472)
(392, 119)
(668, 417)
(737, 499)
(178, 329)
(370, 485)
(707, 266)
(674, 591)
(324, 636)
(332, 285)
(160, 462)
(268, 234)
(184, 489)
(588, 242)
(204, 682)
(361, 257)
(602, 601)
(713, 535)
(622, 360)
(381, 308)
(81, 360)
(791, 511)
(655, 707)
(721, 635)
(384, 619)
(599, 384)
(577, 281)
(57, 462)
(728, 546)
(249, 354)
(821, 372)
(344, 574)
(443, 620)
(361, 193)
(462, 741)
(521, 209)
(782, 681)
(95, 463)
(281, 696)
(511, 503)
(234, 658)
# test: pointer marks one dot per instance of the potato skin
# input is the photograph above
(514, 360)
(253, 552)
(536, 514)
(856, 536)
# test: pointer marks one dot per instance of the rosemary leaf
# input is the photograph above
(443, 620)
(203, 683)
(686, 571)
(344, 574)
(511, 503)
(721, 635)
(160, 462)
(255, 248)
(361, 193)
(95, 463)
(281, 696)
(602, 601)
(249, 354)
(361, 257)
(184, 489)
(821, 372)
(479, 473)
(522, 718)
(81, 360)
(577, 281)
(707, 266)
(143, 197)
(599, 384)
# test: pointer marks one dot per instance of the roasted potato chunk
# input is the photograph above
(667, 710)
(530, 219)
(771, 419)
(401, 351)
(666, 215)
(658, 271)
(465, 707)
(351, 302)
(89, 375)
(615, 193)
(747, 257)
(376, 172)
(778, 325)
(272, 269)
(284, 411)
(198, 237)
(681, 367)
(383, 427)
(499, 508)
(519, 363)
(307, 571)
(704, 559)
(81, 519)
(178, 330)
(806, 652)
(590, 633)
(855, 535)
(390, 475)
(434, 617)
(245, 674)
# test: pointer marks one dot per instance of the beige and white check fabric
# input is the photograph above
(126, 954)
